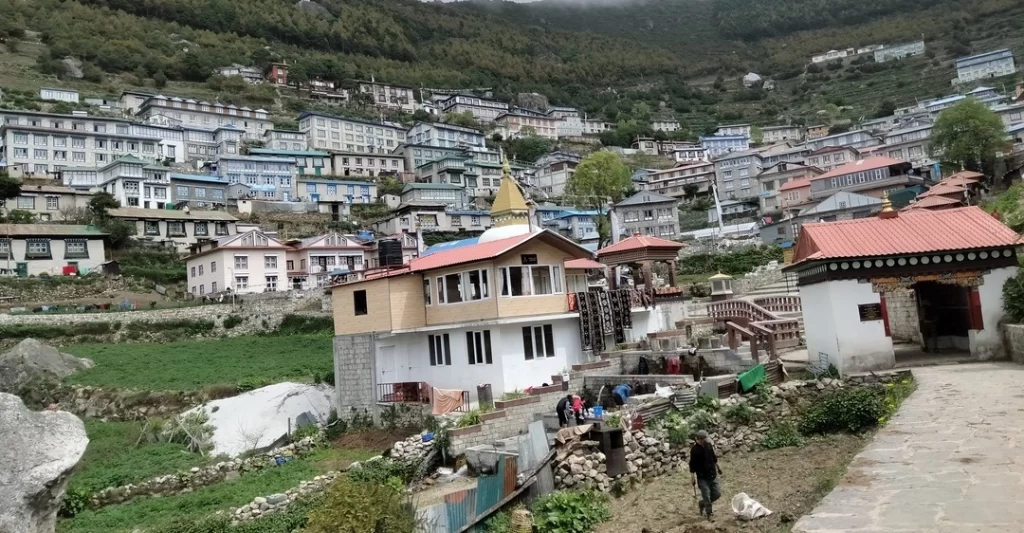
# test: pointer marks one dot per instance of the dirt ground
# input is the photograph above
(373, 439)
(788, 481)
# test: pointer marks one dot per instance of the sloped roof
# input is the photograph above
(943, 189)
(411, 186)
(169, 214)
(931, 202)
(639, 242)
(50, 230)
(870, 163)
(583, 263)
(914, 231)
(795, 184)
(489, 250)
(645, 197)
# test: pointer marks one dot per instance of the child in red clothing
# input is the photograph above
(577, 409)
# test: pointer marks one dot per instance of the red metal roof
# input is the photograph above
(943, 189)
(929, 202)
(969, 174)
(583, 263)
(870, 163)
(639, 242)
(795, 184)
(915, 231)
(468, 254)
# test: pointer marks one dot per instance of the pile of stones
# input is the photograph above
(198, 477)
(411, 450)
(648, 454)
(273, 503)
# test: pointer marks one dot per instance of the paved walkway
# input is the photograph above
(951, 460)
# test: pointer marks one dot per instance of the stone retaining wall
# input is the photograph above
(119, 405)
(1013, 339)
(197, 477)
(648, 454)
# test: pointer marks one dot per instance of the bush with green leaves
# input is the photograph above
(231, 321)
(707, 403)
(852, 409)
(567, 511)
(781, 436)
(380, 471)
(471, 418)
(499, 523)
(354, 505)
(1013, 297)
(740, 413)
(762, 393)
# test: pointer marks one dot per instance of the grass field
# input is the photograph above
(194, 364)
(154, 512)
(116, 457)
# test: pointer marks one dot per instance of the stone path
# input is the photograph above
(951, 460)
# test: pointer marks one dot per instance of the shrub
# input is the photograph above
(516, 394)
(471, 418)
(301, 324)
(701, 420)
(309, 430)
(359, 420)
(740, 413)
(1013, 297)
(379, 471)
(570, 511)
(335, 426)
(350, 505)
(707, 403)
(762, 393)
(232, 320)
(76, 500)
(852, 409)
(252, 383)
(780, 436)
(499, 523)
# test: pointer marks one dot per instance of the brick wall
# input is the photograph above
(355, 373)
(901, 306)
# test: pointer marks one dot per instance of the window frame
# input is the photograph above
(555, 277)
(478, 347)
(538, 342)
(360, 304)
(440, 349)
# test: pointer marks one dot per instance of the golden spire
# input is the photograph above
(509, 206)
(886, 204)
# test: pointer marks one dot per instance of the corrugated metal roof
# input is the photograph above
(169, 214)
(638, 242)
(870, 163)
(928, 202)
(583, 263)
(943, 189)
(915, 231)
(795, 184)
(468, 254)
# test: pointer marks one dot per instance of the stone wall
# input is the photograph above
(197, 477)
(648, 454)
(118, 405)
(355, 371)
(901, 306)
(1013, 339)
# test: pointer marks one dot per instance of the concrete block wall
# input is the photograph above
(355, 373)
(901, 306)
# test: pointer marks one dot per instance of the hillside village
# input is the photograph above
(221, 317)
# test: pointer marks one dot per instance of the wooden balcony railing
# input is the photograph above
(780, 304)
(412, 392)
(758, 325)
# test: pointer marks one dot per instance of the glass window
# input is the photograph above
(478, 347)
(440, 350)
(538, 341)
(241, 262)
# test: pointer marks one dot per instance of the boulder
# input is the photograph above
(37, 452)
(31, 359)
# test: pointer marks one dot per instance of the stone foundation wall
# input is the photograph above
(901, 306)
(648, 454)
(355, 371)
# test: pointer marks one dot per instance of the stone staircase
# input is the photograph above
(783, 287)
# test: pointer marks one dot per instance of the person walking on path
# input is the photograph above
(563, 411)
(704, 472)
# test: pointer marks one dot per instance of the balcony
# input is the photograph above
(414, 392)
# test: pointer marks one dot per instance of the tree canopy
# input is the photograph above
(10, 188)
(967, 134)
(598, 177)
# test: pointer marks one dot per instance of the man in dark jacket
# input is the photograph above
(563, 409)
(704, 472)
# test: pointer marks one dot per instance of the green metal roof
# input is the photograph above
(413, 186)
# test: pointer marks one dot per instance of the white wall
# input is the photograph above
(406, 357)
(55, 265)
(988, 343)
(862, 346)
(819, 323)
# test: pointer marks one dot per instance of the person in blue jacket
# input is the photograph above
(620, 394)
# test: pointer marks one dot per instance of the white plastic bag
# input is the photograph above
(747, 508)
(663, 392)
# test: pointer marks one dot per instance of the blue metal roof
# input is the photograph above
(199, 177)
(445, 246)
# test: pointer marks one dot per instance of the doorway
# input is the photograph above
(943, 323)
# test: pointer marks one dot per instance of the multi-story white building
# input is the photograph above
(570, 121)
(307, 162)
(444, 135)
(675, 182)
(988, 65)
(45, 143)
(899, 51)
(520, 122)
(554, 171)
(732, 130)
(717, 145)
(255, 262)
(249, 74)
(284, 140)
(50, 202)
(854, 139)
(368, 165)
(268, 178)
(199, 191)
(335, 197)
(330, 132)
(176, 229)
(387, 96)
(649, 213)
(34, 249)
(775, 134)
(736, 174)
(192, 113)
(666, 124)
(596, 127)
(59, 95)
(831, 157)
(131, 101)
(483, 109)
(432, 217)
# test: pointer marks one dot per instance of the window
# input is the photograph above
(182, 191)
(176, 229)
(359, 302)
(270, 261)
(449, 289)
(538, 341)
(242, 262)
(271, 283)
(213, 266)
(477, 283)
(38, 249)
(76, 249)
(241, 282)
(440, 350)
(26, 202)
(531, 280)
(478, 347)
(5, 248)
(290, 264)
(152, 227)
(213, 287)
(426, 288)
(201, 229)
(200, 270)
(193, 272)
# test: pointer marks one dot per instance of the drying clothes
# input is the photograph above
(591, 334)
(444, 401)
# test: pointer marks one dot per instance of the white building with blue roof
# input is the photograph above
(268, 178)
(987, 65)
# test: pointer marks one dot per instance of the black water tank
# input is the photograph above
(389, 253)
